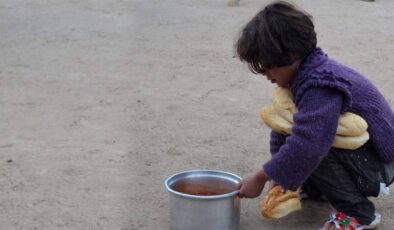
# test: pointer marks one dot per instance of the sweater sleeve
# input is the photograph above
(313, 132)
(276, 141)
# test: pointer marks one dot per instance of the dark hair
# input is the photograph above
(276, 32)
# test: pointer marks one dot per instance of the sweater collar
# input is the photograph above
(313, 60)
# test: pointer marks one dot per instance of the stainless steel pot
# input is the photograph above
(204, 200)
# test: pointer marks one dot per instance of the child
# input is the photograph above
(280, 43)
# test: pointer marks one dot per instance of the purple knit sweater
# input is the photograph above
(322, 90)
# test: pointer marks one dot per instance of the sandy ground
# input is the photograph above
(101, 101)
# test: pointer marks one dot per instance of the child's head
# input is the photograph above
(276, 37)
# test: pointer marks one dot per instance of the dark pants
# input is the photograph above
(347, 178)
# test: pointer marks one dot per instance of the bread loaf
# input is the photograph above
(272, 119)
(282, 101)
(351, 125)
(351, 131)
(278, 203)
(352, 143)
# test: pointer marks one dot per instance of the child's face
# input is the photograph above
(282, 76)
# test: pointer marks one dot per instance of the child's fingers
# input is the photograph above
(239, 187)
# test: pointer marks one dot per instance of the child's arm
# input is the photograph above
(276, 141)
(314, 130)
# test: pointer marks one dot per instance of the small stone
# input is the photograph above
(9, 161)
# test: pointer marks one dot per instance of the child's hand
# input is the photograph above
(252, 185)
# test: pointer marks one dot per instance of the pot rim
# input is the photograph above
(213, 197)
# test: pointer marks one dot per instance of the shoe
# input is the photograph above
(374, 223)
(344, 222)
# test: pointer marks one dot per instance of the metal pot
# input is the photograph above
(204, 199)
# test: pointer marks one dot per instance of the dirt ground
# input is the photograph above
(101, 101)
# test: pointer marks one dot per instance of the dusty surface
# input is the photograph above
(102, 100)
